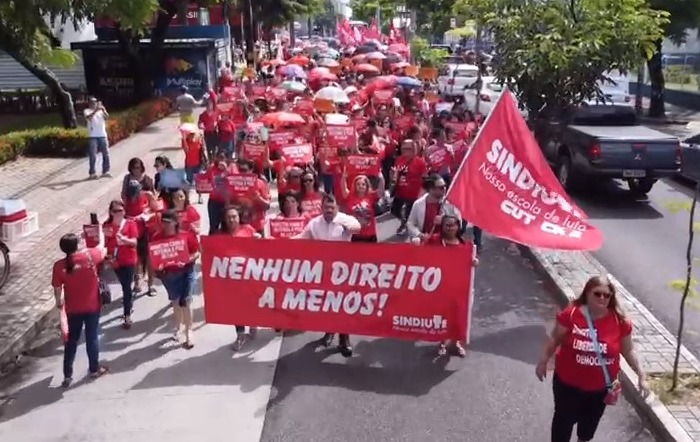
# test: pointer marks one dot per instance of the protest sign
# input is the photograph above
(287, 227)
(362, 165)
(169, 252)
(387, 290)
(342, 136)
(298, 153)
(241, 184)
(202, 183)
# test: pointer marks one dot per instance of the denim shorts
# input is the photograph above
(180, 284)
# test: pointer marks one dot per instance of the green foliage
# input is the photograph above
(425, 55)
(554, 53)
(682, 14)
(433, 16)
(366, 10)
(72, 143)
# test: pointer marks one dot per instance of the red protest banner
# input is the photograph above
(287, 227)
(438, 157)
(506, 187)
(241, 184)
(253, 152)
(387, 290)
(342, 136)
(170, 252)
(202, 183)
(383, 96)
(91, 233)
(279, 138)
(362, 165)
(359, 123)
(298, 153)
(258, 91)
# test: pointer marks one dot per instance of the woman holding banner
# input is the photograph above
(179, 277)
(360, 202)
(232, 227)
(449, 236)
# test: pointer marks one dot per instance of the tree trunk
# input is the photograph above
(308, 25)
(249, 35)
(62, 96)
(657, 107)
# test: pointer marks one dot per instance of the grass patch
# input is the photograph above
(13, 122)
(686, 393)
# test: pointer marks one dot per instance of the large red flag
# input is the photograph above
(506, 187)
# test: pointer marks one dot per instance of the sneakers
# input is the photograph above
(106, 175)
(92, 177)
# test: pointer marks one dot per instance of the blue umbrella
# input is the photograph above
(409, 82)
(294, 71)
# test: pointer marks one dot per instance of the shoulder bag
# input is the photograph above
(613, 388)
(103, 290)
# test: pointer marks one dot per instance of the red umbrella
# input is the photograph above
(398, 47)
(367, 68)
(360, 57)
(299, 60)
(322, 74)
(376, 56)
(282, 118)
(383, 82)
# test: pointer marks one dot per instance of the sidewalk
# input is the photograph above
(655, 345)
(58, 190)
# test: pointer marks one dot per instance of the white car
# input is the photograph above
(488, 95)
(454, 78)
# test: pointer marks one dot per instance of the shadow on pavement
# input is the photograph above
(611, 199)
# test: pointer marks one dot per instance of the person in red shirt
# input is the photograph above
(448, 235)
(310, 195)
(258, 205)
(219, 196)
(121, 237)
(360, 202)
(208, 123)
(195, 156)
(187, 214)
(407, 177)
(290, 209)
(75, 285)
(232, 227)
(179, 278)
(590, 330)
(227, 134)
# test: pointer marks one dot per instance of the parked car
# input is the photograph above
(690, 166)
(487, 95)
(606, 141)
(453, 79)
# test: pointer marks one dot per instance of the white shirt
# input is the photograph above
(97, 126)
(340, 229)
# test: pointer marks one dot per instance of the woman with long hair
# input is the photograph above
(232, 227)
(121, 237)
(76, 283)
(588, 339)
(187, 214)
(310, 194)
(449, 235)
(360, 202)
(179, 280)
(137, 172)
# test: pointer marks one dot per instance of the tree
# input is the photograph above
(683, 15)
(433, 16)
(26, 36)
(555, 54)
(325, 18)
(366, 10)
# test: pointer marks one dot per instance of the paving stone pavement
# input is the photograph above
(655, 345)
(58, 190)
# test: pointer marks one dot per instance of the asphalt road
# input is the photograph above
(282, 390)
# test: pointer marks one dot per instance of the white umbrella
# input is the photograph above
(334, 94)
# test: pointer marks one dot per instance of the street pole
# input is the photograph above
(479, 56)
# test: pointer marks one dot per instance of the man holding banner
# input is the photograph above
(332, 225)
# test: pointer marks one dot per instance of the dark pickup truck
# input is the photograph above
(606, 141)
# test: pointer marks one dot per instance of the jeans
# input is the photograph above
(179, 284)
(575, 407)
(190, 172)
(226, 147)
(401, 208)
(100, 145)
(215, 209)
(75, 329)
(211, 141)
(125, 275)
(476, 235)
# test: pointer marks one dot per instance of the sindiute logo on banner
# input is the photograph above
(506, 187)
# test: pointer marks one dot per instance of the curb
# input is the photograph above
(662, 423)
(12, 355)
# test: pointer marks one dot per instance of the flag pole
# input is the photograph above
(476, 138)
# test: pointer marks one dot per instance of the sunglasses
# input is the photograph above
(117, 210)
(602, 295)
(307, 180)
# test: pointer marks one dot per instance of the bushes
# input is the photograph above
(72, 143)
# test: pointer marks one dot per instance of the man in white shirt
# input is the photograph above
(96, 116)
(332, 225)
